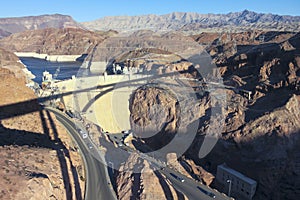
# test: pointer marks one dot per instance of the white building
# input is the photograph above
(236, 182)
(46, 76)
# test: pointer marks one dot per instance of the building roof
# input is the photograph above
(237, 174)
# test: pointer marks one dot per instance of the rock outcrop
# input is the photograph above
(38, 158)
(19, 24)
(51, 41)
(146, 185)
(260, 136)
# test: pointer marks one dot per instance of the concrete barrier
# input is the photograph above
(62, 58)
(31, 55)
(52, 58)
(98, 67)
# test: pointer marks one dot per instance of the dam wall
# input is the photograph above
(97, 67)
(101, 101)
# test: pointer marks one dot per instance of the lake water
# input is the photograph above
(38, 66)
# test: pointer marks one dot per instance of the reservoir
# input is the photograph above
(38, 66)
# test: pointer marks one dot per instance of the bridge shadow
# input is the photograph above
(135, 189)
(164, 185)
(62, 153)
(46, 140)
(188, 169)
(30, 106)
(52, 140)
(25, 107)
(12, 137)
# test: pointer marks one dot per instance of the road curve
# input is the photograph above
(97, 187)
(189, 187)
(192, 189)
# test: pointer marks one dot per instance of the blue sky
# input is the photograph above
(87, 10)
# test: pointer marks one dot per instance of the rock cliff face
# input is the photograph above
(38, 159)
(260, 137)
(237, 21)
(4, 33)
(20, 24)
(147, 185)
(67, 41)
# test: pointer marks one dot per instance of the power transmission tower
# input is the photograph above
(234, 45)
(229, 36)
(262, 38)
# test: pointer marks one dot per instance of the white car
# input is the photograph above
(84, 135)
(90, 145)
(177, 177)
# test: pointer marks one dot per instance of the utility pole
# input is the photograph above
(229, 189)
(111, 165)
(234, 45)
(229, 36)
(253, 36)
(219, 41)
(262, 38)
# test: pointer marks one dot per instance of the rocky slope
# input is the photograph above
(67, 41)
(148, 184)
(260, 137)
(20, 24)
(197, 22)
(4, 33)
(38, 158)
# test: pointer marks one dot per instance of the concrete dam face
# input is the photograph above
(97, 67)
(106, 99)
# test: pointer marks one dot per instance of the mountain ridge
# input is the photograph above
(12, 25)
(178, 20)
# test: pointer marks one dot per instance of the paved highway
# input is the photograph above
(97, 187)
(189, 187)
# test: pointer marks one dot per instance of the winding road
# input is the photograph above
(190, 188)
(97, 187)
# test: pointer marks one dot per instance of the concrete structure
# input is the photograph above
(103, 100)
(238, 183)
(31, 55)
(96, 67)
(115, 103)
(62, 58)
(52, 58)
(66, 86)
(46, 76)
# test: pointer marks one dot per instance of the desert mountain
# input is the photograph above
(20, 24)
(260, 136)
(66, 41)
(195, 21)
